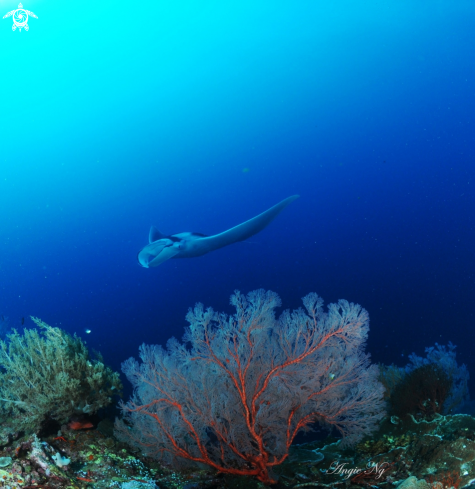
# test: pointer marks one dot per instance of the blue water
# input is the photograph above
(196, 116)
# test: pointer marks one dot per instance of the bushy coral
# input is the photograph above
(422, 393)
(426, 386)
(47, 374)
(445, 357)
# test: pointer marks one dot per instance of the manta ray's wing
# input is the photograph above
(155, 235)
(246, 229)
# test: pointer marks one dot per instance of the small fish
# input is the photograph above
(22, 321)
(87, 331)
(80, 425)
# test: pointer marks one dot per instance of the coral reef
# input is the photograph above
(437, 454)
(50, 375)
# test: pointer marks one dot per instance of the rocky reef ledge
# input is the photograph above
(436, 454)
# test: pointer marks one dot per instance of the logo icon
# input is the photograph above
(20, 17)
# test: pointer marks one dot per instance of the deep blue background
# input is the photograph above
(196, 116)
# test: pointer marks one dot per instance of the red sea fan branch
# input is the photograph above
(249, 384)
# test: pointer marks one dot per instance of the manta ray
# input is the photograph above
(161, 248)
